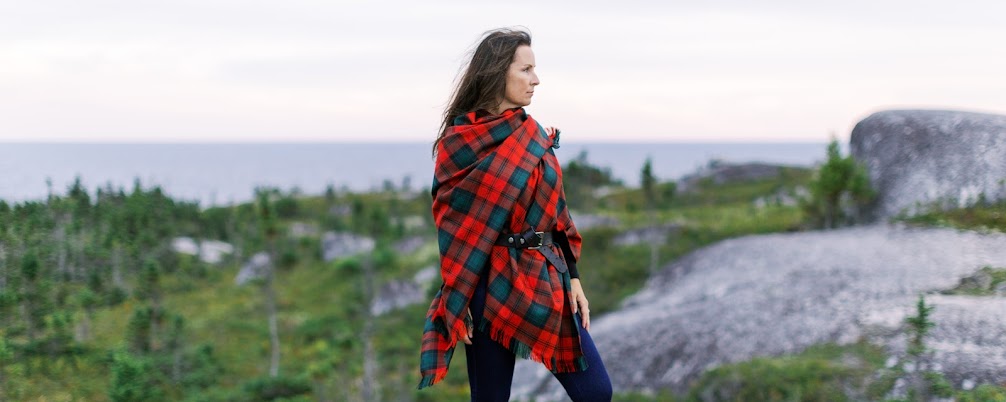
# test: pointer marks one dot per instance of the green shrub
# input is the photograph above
(133, 379)
(821, 373)
(839, 185)
(273, 388)
(983, 393)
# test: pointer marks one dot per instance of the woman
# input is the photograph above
(508, 248)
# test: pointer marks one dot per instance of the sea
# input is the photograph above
(215, 174)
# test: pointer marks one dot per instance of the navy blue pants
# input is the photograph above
(491, 365)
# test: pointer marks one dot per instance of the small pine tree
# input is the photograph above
(88, 302)
(839, 179)
(149, 289)
(6, 358)
(35, 295)
(922, 381)
(132, 379)
(269, 225)
(649, 184)
(918, 327)
(138, 330)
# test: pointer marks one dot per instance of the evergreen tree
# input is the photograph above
(6, 358)
(34, 295)
(149, 290)
(919, 326)
(269, 227)
(174, 346)
(132, 379)
(88, 302)
(649, 184)
(138, 330)
(922, 381)
(838, 179)
(580, 178)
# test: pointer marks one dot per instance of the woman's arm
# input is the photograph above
(569, 240)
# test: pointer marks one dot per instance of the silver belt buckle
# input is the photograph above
(541, 239)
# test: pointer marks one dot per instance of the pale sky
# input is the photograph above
(300, 70)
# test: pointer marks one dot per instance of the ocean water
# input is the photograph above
(218, 174)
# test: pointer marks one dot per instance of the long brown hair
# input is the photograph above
(483, 84)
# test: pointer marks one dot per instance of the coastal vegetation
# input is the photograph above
(96, 302)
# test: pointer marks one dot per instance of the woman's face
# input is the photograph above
(520, 79)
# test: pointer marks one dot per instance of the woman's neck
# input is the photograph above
(500, 109)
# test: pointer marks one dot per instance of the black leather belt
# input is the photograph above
(530, 239)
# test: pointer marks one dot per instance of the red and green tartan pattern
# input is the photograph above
(498, 174)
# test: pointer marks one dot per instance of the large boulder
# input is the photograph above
(916, 158)
(775, 294)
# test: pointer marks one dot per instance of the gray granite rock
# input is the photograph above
(213, 251)
(185, 245)
(402, 293)
(396, 294)
(774, 294)
(427, 275)
(584, 221)
(303, 229)
(408, 245)
(256, 268)
(720, 172)
(784, 197)
(931, 156)
(410, 222)
(344, 244)
(645, 235)
(209, 251)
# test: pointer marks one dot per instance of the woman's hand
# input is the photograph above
(467, 338)
(550, 131)
(579, 302)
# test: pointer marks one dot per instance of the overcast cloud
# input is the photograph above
(381, 71)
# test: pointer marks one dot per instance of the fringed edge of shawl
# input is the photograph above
(524, 350)
(429, 380)
(440, 373)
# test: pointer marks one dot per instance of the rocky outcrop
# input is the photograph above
(401, 293)
(645, 235)
(256, 268)
(919, 157)
(344, 244)
(721, 172)
(408, 245)
(303, 229)
(209, 251)
(783, 197)
(396, 294)
(584, 221)
(775, 294)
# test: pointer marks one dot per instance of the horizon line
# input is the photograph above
(362, 142)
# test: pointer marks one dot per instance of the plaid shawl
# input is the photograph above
(499, 174)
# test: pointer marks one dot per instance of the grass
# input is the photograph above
(321, 305)
(826, 372)
(981, 217)
(970, 287)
